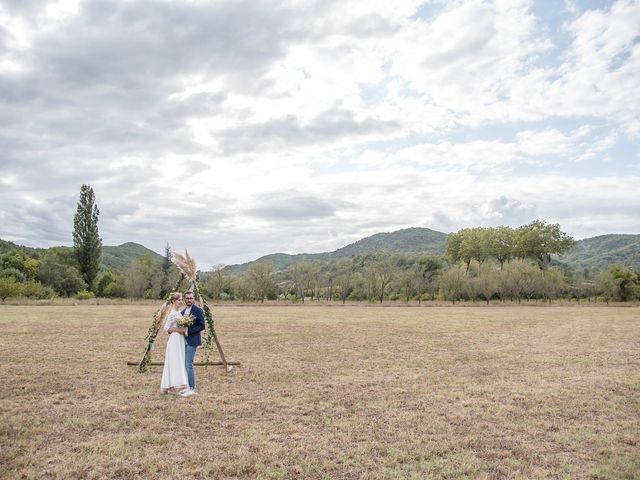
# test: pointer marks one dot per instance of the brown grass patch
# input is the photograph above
(458, 392)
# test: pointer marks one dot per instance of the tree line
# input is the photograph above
(480, 264)
(378, 277)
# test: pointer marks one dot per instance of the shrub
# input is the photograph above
(46, 293)
(31, 289)
(84, 295)
(149, 294)
(9, 288)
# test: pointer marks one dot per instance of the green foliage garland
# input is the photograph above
(211, 332)
(155, 328)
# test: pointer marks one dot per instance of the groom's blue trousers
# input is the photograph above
(188, 360)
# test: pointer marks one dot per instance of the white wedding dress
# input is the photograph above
(174, 374)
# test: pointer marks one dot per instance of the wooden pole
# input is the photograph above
(210, 327)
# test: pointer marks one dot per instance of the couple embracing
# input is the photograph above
(184, 327)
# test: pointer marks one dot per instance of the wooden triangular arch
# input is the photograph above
(187, 266)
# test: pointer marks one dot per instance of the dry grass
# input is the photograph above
(457, 392)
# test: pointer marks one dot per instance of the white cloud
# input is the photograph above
(304, 125)
(547, 142)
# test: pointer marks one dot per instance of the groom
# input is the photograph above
(193, 340)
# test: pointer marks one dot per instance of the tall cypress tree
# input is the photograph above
(86, 240)
(166, 270)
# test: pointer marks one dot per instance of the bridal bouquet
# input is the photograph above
(185, 321)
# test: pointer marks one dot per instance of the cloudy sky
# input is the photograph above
(240, 128)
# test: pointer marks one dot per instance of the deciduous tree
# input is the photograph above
(260, 280)
(453, 283)
(539, 240)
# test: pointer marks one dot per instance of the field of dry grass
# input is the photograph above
(327, 392)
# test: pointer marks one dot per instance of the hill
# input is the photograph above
(6, 245)
(597, 253)
(117, 257)
(594, 254)
(408, 240)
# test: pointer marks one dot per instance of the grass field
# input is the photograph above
(327, 392)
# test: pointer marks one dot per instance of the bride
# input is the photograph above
(174, 374)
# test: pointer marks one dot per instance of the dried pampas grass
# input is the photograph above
(186, 264)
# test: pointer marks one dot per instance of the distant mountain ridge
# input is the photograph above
(408, 240)
(596, 253)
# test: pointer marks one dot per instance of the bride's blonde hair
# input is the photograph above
(167, 307)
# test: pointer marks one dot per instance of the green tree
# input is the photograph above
(143, 279)
(486, 285)
(16, 263)
(31, 289)
(552, 283)
(31, 266)
(260, 279)
(455, 251)
(519, 279)
(103, 281)
(300, 274)
(500, 244)
(9, 288)
(430, 266)
(453, 284)
(111, 284)
(344, 279)
(57, 271)
(384, 272)
(410, 282)
(329, 276)
(86, 240)
(626, 278)
(216, 281)
(117, 288)
(165, 282)
(606, 286)
(539, 240)
(17, 275)
(14, 258)
(474, 246)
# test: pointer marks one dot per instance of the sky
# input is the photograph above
(241, 128)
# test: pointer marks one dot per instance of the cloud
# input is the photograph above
(547, 142)
(286, 206)
(508, 211)
(237, 128)
(331, 125)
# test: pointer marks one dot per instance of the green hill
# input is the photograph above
(409, 240)
(117, 257)
(6, 245)
(597, 253)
